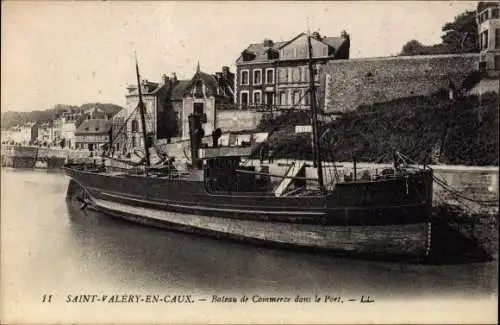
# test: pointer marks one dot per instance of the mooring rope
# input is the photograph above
(447, 188)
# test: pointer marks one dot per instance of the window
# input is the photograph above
(198, 109)
(302, 52)
(307, 98)
(244, 98)
(257, 97)
(497, 62)
(198, 90)
(244, 77)
(135, 126)
(296, 74)
(494, 13)
(283, 75)
(283, 98)
(133, 141)
(305, 74)
(484, 16)
(296, 97)
(269, 98)
(257, 77)
(485, 40)
(497, 38)
(269, 76)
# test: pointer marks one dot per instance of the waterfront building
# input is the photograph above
(276, 73)
(168, 105)
(92, 134)
(45, 133)
(19, 134)
(98, 113)
(154, 96)
(204, 95)
(488, 20)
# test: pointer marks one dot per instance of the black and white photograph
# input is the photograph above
(249, 162)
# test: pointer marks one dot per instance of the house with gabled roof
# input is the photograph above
(168, 105)
(92, 134)
(276, 74)
(204, 95)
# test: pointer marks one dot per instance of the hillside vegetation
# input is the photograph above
(464, 130)
(10, 119)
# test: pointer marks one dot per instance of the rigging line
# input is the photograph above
(445, 186)
(124, 124)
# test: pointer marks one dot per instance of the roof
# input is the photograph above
(178, 91)
(94, 127)
(486, 4)
(108, 109)
(260, 50)
(334, 42)
(149, 88)
(209, 81)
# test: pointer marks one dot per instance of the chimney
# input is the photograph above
(344, 35)
(268, 42)
(316, 36)
(174, 79)
(225, 72)
(164, 79)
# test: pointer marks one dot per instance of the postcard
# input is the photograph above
(267, 162)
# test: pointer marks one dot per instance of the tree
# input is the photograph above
(460, 36)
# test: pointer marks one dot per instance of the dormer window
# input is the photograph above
(247, 55)
(272, 54)
(198, 91)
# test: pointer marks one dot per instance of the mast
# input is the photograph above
(314, 119)
(141, 112)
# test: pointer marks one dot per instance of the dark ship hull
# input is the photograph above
(390, 216)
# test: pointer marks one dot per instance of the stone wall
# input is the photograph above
(351, 83)
(236, 120)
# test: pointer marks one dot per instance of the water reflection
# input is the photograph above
(164, 259)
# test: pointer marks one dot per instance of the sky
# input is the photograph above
(65, 52)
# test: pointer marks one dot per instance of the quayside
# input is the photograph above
(381, 212)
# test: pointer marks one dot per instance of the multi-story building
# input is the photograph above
(154, 96)
(20, 134)
(488, 20)
(92, 134)
(204, 95)
(168, 105)
(45, 134)
(276, 73)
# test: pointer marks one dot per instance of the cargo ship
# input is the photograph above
(383, 213)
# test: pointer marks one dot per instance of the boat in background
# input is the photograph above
(381, 213)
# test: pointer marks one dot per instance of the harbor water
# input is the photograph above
(49, 248)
